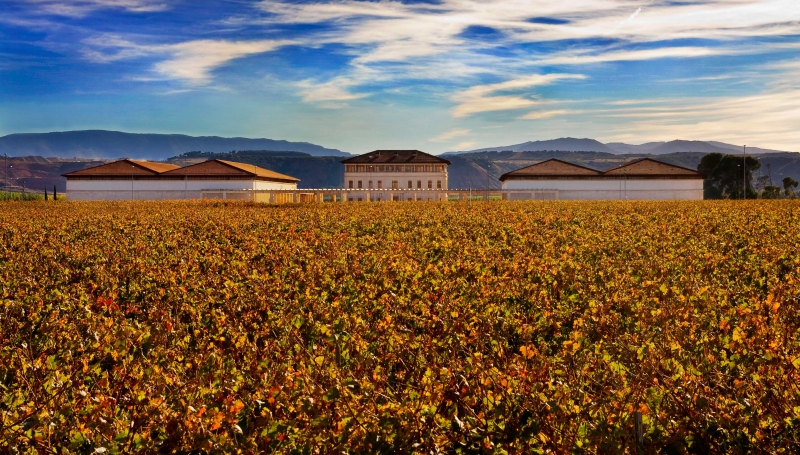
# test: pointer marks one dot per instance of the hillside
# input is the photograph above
(567, 144)
(469, 170)
(114, 144)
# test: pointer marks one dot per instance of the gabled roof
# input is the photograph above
(223, 168)
(396, 156)
(649, 166)
(644, 168)
(551, 168)
(124, 168)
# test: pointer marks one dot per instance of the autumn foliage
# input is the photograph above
(400, 327)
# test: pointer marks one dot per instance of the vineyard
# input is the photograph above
(400, 327)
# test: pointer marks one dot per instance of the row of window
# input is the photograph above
(395, 184)
(395, 168)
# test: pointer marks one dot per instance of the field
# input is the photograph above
(400, 327)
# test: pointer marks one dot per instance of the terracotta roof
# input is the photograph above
(551, 168)
(645, 168)
(395, 156)
(649, 166)
(223, 168)
(124, 168)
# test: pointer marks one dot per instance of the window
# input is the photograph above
(430, 184)
(369, 184)
(361, 169)
(419, 183)
(359, 184)
(409, 168)
(371, 169)
(410, 184)
(394, 184)
(439, 184)
(427, 168)
(380, 183)
(350, 184)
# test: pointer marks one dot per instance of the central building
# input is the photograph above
(395, 175)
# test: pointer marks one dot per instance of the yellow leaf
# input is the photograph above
(319, 359)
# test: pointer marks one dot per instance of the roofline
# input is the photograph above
(128, 160)
(226, 163)
(507, 174)
(601, 174)
(647, 158)
(441, 160)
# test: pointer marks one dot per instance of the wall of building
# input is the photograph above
(608, 189)
(402, 179)
(161, 189)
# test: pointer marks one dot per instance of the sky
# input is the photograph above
(430, 75)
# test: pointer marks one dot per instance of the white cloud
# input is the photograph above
(540, 115)
(485, 98)
(450, 134)
(190, 61)
(79, 8)
(331, 95)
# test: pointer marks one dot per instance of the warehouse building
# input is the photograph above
(644, 179)
(145, 180)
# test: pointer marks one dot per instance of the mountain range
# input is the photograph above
(100, 144)
(570, 144)
(320, 167)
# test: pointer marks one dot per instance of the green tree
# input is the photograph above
(771, 192)
(725, 177)
(789, 184)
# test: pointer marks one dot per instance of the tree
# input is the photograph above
(724, 176)
(771, 192)
(789, 184)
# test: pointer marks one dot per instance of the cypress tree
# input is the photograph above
(45, 193)
(55, 194)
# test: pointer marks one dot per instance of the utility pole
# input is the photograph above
(5, 173)
(744, 173)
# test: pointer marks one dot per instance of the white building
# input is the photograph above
(145, 180)
(645, 179)
(395, 175)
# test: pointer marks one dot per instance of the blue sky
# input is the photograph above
(432, 75)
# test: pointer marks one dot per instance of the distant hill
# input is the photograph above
(114, 144)
(567, 144)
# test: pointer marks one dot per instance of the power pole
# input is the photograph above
(744, 173)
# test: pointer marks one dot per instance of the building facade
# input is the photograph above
(399, 175)
(145, 180)
(644, 179)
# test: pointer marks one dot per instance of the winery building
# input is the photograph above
(644, 179)
(146, 180)
(396, 175)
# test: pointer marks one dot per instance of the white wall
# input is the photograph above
(161, 189)
(401, 177)
(650, 189)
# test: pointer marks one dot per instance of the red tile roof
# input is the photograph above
(645, 168)
(231, 169)
(396, 156)
(124, 168)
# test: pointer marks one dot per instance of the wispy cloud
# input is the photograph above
(450, 134)
(79, 8)
(190, 61)
(541, 115)
(486, 98)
